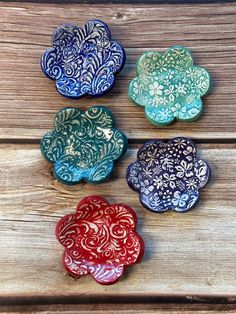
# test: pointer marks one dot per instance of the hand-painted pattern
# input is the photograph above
(168, 175)
(169, 86)
(100, 239)
(83, 60)
(83, 145)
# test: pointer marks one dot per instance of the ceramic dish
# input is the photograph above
(83, 60)
(100, 239)
(169, 86)
(83, 145)
(168, 175)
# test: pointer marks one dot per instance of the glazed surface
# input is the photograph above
(100, 239)
(83, 145)
(83, 60)
(168, 175)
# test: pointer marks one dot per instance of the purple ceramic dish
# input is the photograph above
(168, 175)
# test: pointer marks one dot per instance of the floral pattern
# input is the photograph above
(169, 86)
(168, 175)
(83, 60)
(100, 239)
(83, 145)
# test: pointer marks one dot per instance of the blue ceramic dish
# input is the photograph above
(168, 175)
(83, 60)
(83, 145)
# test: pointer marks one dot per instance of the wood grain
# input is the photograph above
(189, 257)
(186, 255)
(29, 101)
(132, 308)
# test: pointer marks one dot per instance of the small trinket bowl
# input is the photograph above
(83, 145)
(100, 239)
(168, 175)
(169, 86)
(83, 60)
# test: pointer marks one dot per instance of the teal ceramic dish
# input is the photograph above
(83, 145)
(169, 86)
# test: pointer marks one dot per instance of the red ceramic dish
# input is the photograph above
(99, 239)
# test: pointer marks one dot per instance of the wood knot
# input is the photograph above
(119, 16)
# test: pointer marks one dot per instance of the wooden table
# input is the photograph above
(190, 259)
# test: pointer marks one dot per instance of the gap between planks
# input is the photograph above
(123, 300)
(131, 308)
(135, 142)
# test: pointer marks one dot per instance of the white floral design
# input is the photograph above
(159, 182)
(175, 109)
(179, 200)
(170, 86)
(170, 93)
(181, 89)
(170, 179)
(136, 87)
(145, 187)
(155, 89)
(192, 183)
(168, 175)
(184, 169)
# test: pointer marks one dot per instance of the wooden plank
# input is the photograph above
(186, 255)
(29, 101)
(121, 308)
(122, 1)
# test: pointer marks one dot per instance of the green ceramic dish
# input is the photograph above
(83, 145)
(169, 86)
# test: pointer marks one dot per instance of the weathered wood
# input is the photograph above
(189, 256)
(29, 101)
(186, 255)
(132, 308)
(122, 1)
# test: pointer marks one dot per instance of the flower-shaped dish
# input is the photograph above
(83, 60)
(168, 175)
(83, 145)
(169, 86)
(100, 239)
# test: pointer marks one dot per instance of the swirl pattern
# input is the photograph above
(83, 145)
(100, 239)
(168, 175)
(169, 86)
(83, 60)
